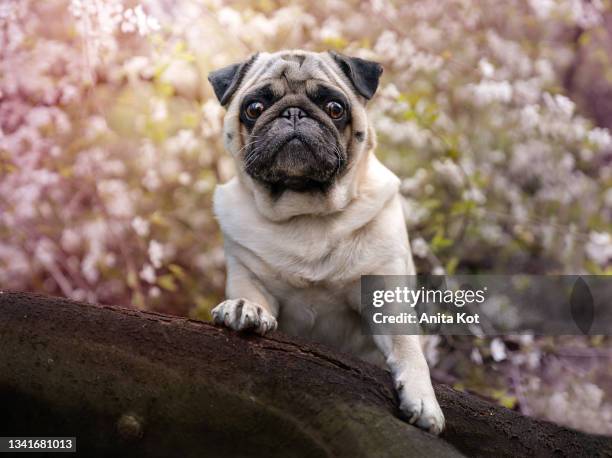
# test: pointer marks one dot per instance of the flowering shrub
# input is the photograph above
(110, 138)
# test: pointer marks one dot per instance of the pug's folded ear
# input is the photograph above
(226, 80)
(364, 74)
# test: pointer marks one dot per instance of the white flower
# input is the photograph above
(449, 171)
(498, 350)
(156, 253)
(136, 19)
(141, 226)
(545, 69)
(525, 339)
(390, 91)
(229, 18)
(115, 194)
(415, 183)
(159, 110)
(486, 68)
(70, 240)
(542, 8)
(420, 247)
(566, 106)
(600, 137)
(212, 121)
(414, 213)
(559, 104)
(475, 195)
(438, 270)
(599, 247)
(39, 117)
(330, 30)
(96, 125)
(147, 273)
(184, 178)
(183, 76)
(203, 185)
(138, 67)
(530, 116)
(45, 252)
(89, 266)
(491, 91)
(151, 180)
(183, 141)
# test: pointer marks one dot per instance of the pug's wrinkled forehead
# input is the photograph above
(353, 76)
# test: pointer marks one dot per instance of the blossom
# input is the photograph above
(156, 253)
(116, 195)
(599, 247)
(183, 141)
(449, 171)
(420, 247)
(530, 116)
(141, 226)
(229, 18)
(491, 91)
(486, 68)
(600, 137)
(45, 252)
(559, 104)
(182, 75)
(147, 273)
(151, 180)
(542, 8)
(498, 350)
(184, 178)
(135, 19)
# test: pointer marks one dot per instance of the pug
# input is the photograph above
(311, 209)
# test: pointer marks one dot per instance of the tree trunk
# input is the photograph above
(145, 384)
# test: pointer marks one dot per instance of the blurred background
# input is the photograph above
(494, 114)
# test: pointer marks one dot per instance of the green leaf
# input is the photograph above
(178, 271)
(167, 282)
(451, 265)
(439, 242)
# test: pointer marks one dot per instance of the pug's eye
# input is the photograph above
(334, 109)
(254, 110)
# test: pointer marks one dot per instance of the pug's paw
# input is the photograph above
(242, 314)
(419, 404)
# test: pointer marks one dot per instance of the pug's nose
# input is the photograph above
(293, 114)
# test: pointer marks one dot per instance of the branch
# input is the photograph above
(146, 384)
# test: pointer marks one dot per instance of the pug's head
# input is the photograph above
(296, 120)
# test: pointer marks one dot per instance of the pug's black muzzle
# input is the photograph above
(295, 151)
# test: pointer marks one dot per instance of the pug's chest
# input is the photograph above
(324, 313)
(311, 265)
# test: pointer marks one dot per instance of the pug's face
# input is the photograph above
(296, 120)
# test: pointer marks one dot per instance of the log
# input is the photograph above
(128, 382)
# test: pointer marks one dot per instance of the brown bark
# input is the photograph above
(144, 384)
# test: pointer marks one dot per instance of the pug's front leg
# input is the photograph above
(249, 306)
(410, 372)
